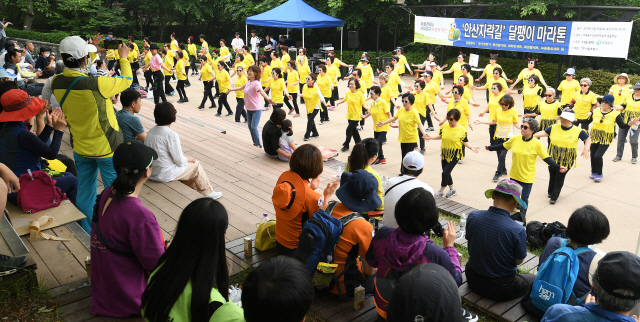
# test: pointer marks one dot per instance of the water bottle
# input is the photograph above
(265, 218)
(339, 172)
(463, 223)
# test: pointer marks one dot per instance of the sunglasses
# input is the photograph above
(405, 101)
(548, 95)
(389, 67)
(584, 85)
(524, 127)
(460, 57)
(351, 84)
(532, 80)
(504, 105)
(274, 73)
(451, 119)
(239, 69)
(416, 85)
(497, 74)
(494, 88)
(602, 119)
(309, 79)
(620, 93)
(455, 93)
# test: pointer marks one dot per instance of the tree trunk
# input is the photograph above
(28, 17)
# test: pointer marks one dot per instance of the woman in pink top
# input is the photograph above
(252, 91)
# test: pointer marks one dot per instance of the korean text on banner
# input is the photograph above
(600, 39)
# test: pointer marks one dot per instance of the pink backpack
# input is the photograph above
(38, 191)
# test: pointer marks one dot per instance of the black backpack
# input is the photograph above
(538, 233)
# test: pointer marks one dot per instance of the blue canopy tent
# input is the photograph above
(294, 14)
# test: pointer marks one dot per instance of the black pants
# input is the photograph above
(158, 91)
(381, 137)
(324, 114)
(502, 156)
(447, 168)
(334, 96)
(217, 89)
(364, 112)
(294, 99)
(208, 94)
(492, 132)
(71, 165)
(280, 105)
(134, 69)
(352, 131)
(422, 119)
(114, 65)
(404, 149)
(266, 103)
(300, 86)
(192, 62)
(428, 117)
(583, 123)
(180, 89)
(148, 77)
(186, 74)
(556, 181)
(110, 64)
(311, 125)
(222, 100)
(597, 152)
(167, 86)
(284, 251)
(240, 109)
(499, 289)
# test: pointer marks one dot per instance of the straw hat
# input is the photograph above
(615, 79)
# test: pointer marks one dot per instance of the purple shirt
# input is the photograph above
(252, 96)
(117, 282)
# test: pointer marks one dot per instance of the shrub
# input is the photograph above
(52, 37)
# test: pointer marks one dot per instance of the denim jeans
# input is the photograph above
(253, 118)
(526, 191)
(87, 179)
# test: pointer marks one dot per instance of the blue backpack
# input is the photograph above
(556, 277)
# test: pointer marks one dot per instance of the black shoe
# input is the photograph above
(306, 139)
(552, 201)
(468, 316)
(187, 85)
(505, 173)
(344, 149)
(213, 106)
(549, 195)
(185, 100)
(9, 265)
(315, 136)
(216, 96)
(496, 177)
(201, 107)
(180, 101)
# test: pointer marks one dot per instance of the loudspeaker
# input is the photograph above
(354, 39)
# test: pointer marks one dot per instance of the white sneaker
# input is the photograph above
(440, 193)
(215, 195)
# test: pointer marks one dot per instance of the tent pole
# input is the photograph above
(303, 38)
(246, 34)
(341, 34)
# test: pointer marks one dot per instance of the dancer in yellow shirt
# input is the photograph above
(568, 87)
(223, 79)
(293, 79)
(191, 48)
(181, 74)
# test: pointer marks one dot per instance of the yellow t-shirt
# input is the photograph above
(336, 62)
(355, 101)
(367, 75)
(432, 89)
(311, 99)
(620, 95)
(285, 60)
(147, 58)
(277, 90)
(292, 78)
(205, 45)
(306, 61)
(192, 49)
(206, 72)
(363, 87)
(488, 70)
(380, 113)
(248, 59)
(209, 58)
(452, 141)
(463, 106)
(420, 103)
(169, 63)
(276, 63)
(324, 82)
(568, 89)
(224, 51)
(185, 59)
(494, 102)
(631, 110)
(303, 71)
(602, 133)
(135, 47)
(180, 74)
(531, 96)
(500, 81)
(584, 102)
(394, 81)
(115, 56)
(133, 56)
(437, 77)
(214, 65)
(266, 73)
(174, 45)
(504, 122)
(525, 154)
(400, 69)
(526, 73)
(240, 80)
(408, 125)
(563, 143)
(386, 94)
(548, 113)
(457, 70)
(223, 81)
(331, 71)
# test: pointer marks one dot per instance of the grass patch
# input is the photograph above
(23, 299)
(535, 251)
(461, 249)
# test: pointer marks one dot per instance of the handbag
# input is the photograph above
(38, 192)
(266, 235)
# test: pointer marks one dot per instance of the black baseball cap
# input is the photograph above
(253, 31)
(619, 275)
(134, 155)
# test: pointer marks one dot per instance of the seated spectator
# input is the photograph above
(295, 199)
(364, 153)
(497, 245)
(126, 240)
(184, 286)
(586, 226)
(271, 134)
(393, 251)
(412, 166)
(22, 149)
(13, 59)
(8, 264)
(616, 283)
(99, 68)
(46, 63)
(410, 301)
(47, 91)
(286, 142)
(358, 192)
(130, 124)
(172, 164)
(279, 290)
(28, 51)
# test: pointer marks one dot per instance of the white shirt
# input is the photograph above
(391, 198)
(237, 43)
(47, 93)
(171, 161)
(255, 42)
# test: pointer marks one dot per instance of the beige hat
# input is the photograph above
(615, 79)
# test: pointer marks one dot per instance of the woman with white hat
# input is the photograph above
(563, 149)
(568, 87)
(621, 89)
(630, 109)
(585, 102)
(602, 133)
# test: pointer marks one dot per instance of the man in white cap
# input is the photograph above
(86, 103)
(412, 166)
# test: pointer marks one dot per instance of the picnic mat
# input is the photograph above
(63, 214)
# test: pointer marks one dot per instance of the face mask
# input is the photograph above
(383, 85)
(47, 55)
